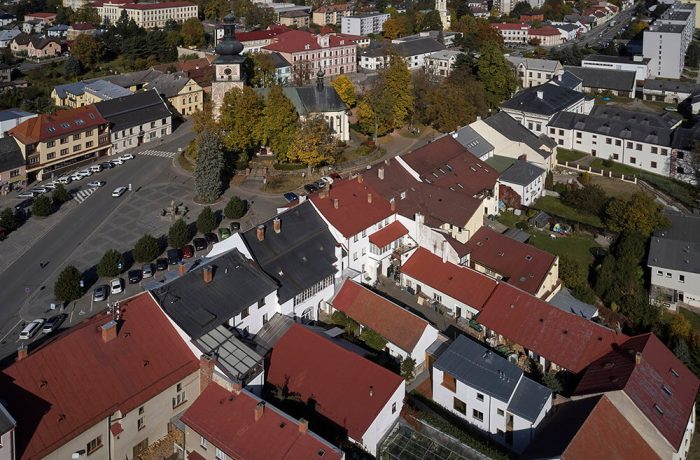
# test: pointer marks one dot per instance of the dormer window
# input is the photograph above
(306, 47)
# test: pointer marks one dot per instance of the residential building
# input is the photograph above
(7, 35)
(670, 91)
(545, 36)
(279, 8)
(441, 63)
(407, 335)
(637, 64)
(413, 51)
(52, 143)
(363, 24)
(200, 70)
(19, 44)
(534, 72)
(147, 15)
(596, 81)
(674, 263)
(318, 371)
(12, 117)
(448, 38)
(136, 119)
(133, 81)
(638, 139)
(512, 33)
(283, 69)
(151, 374)
(43, 48)
(233, 423)
(519, 264)
(567, 31)
(297, 19)
(667, 40)
(74, 4)
(331, 14)
(535, 107)
(319, 101)
(254, 41)
(82, 93)
(476, 144)
(182, 92)
(13, 169)
(46, 18)
(57, 31)
(651, 388)
(503, 7)
(489, 392)
(228, 66)
(510, 139)
(8, 425)
(521, 184)
(309, 53)
(6, 19)
(80, 28)
(566, 79)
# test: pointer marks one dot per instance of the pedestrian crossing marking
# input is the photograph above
(157, 153)
(82, 195)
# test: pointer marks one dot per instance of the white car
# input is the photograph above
(76, 177)
(119, 191)
(31, 329)
(126, 156)
(327, 179)
(118, 161)
(96, 183)
(27, 194)
(115, 286)
(85, 173)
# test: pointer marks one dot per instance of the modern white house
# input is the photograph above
(413, 50)
(12, 117)
(489, 392)
(674, 263)
(363, 24)
(639, 64)
(512, 34)
(524, 179)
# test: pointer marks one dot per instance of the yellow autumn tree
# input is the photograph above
(345, 89)
(313, 144)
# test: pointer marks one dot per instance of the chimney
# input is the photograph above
(208, 274)
(559, 77)
(303, 426)
(369, 198)
(236, 388)
(540, 94)
(259, 409)
(277, 224)
(22, 352)
(206, 371)
(393, 204)
(109, 331)
(360, 179)
(638, 358)
(322, 194)
(371, 391)
(182, 269)
(380, 173)
(444, 251)
(260, 231)
(336, 203)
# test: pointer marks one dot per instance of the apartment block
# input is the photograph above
(667, 40)
(147, 15)
(331, 14)
(364, 24)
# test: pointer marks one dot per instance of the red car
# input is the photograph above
(188, 251)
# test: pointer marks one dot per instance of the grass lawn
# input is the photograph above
(615, 187)
(577, 246)
(569, 155)
(509, 219)
(285, 183)
(555, 207)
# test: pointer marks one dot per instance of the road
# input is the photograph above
(603, 33)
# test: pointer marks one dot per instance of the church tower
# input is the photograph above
(441, 7)
(228, 65)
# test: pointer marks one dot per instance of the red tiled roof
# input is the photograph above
(82, 26)
(254, 35)
(544, 31)
(52, 126)
(460, 283)
(78, 380)
(227, 420)
(644, 383)
(156, 6)
(522, 265)
(397, 325)
(445, 163)
(40, 15)
(338, 380)
(509, 26)
(563, 338)
(354, 213)
(388, 234)
(294, 41)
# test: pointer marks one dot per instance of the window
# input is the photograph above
(220, 455)
(93, 445)
(479, 397)
(633, 160)
(244, 313)
(618, 142)
(203, 442)
(459, 405)
(264, 318)
(313, 290)
(659, 272)
(499, 412)
(354, 255)
(681, 278)
(50, 143)
(64, 140)
(76, 136)
(354, 238)
(393, 408)
(437, 297)
(51, 156)
(629, 145)
(478, 415)
(141, 423)
(653, 164)
(578, 135)
(639, 147)
(179, 397)
(88, 132)
(449, 382)
(608, 140)
(88, 144)
(153, 124)
(76, 147)
(654, 150)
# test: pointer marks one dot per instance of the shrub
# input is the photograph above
(289, 166)
(67, 287)
(206, 222)
(60, 195)
(372, 339)
(8, 220)
(235, 208)
(341, 319)
(179, 234)
(42, 206)
(147, 248)
(408, 367)
(608, 163)
(111, 264)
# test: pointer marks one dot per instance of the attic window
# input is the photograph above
(501, 253)
(459, 185)
(403, 195)
(666, 389)
(674, 373)
(658, 409)
(282, 424)
(449, 168)
(435, 175)
(51, 129)
(92, 115)
(321, 453)
(79, 122)
(528, 258)
(65, 125)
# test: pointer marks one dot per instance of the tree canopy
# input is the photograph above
(241, 115)
(209, 167)
(280, 122)
(313, 144)
(495, 74)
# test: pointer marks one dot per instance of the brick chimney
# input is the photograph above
(277, 224)
(208, 274)
(259, 409)
(392, 203)
(206, 371)
(336, 203)
(260, 232)
(22, 352)
(380, 173)
(303, 426)
(638, 358)
(109, 331)
(360, 179)
(182, 269)
(369, 198)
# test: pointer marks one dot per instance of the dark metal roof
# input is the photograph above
(279, 61)
(133, 110)
(198, 307)
(522, 173)
(671, 85)
(10, 154)
(413, 47)
(563, 300)
(510, 128)
(529, 399)
(615, 80)
(616, 59)
(472, 141)
(300, 255)
(554, 99)
(677, 247)
(567, 80)
(311, 99)
(239, 361)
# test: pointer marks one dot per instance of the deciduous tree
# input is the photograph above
(60, 195)
(639, 213)
(110, 264)
(206, 221)
(178, 234)
(87, 49)
(313, 144)
(280, 122)
(495, 74)
(209, 167)
(241, 115)
(146, 249)
(8, 221)
(235, 208)
(88, 14)
(192, 32)
(345, 89)
(42, 206)
(261, 70)
(67, 287)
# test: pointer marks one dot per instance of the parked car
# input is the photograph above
(96, 183)
(187, 251)
(25, 204)
(310, 188)
(134, 276)
(119, 191)
(211, 238)
(26, 194)
(65, 180)
(147, 270)
(161, 264)
(39, 189)
(115, 286)
(118, 161)
(289, 196)
(107, 165)
(96, 168)
(51, 186)
(224, 233)
(126, 156)
(200, 244)
(100, 293)
(320, 184)
(235, 226)
(53, 323)
(31, 329)
(76, 177)
(327, 179)
(174, 256)
(85, 173)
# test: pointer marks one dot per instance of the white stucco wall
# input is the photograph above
(384, 420)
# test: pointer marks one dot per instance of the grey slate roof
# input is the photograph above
(566, 27)
(138, 78)
(490, 373)
(617, 122)
(510, 128)
(615, 80)
(7, 422)
(198, 307)
(563, 300)
(543, 65)
(554, 99)
(567, 80)
(472, 141)
(10, 154)
(133, 110)
(685, 138)
(12, 114)
(101, 88)
(413, 47)
(677, 247)
(279, 61)
(671, 85)
(310, 99)
(169, 84)
(298, 257)
(239, 361)
(522, 173)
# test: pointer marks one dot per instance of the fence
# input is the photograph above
(597, 172)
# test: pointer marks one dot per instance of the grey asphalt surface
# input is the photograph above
(603, 33)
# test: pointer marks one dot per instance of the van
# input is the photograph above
(96, 168)
(31, 329)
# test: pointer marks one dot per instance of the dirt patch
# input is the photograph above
(615, 188)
